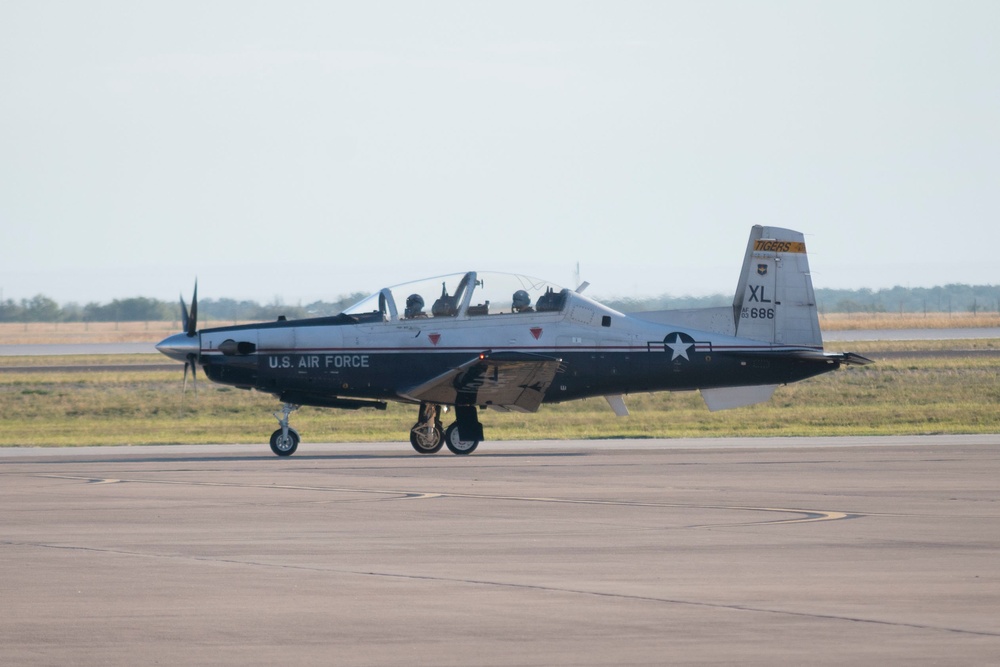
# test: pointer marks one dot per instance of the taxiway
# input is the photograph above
(745, 551)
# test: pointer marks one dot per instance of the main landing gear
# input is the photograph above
(427, 435)
(455, 442)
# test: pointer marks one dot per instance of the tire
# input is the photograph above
(426, 440)
(283, 446)
(456, 445)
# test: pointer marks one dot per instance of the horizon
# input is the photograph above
(276, 301)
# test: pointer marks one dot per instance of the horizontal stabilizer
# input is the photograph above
(849, 358)
(725, 398)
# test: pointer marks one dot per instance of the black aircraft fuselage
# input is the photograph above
(330, 373)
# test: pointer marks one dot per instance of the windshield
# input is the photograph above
(465, 294)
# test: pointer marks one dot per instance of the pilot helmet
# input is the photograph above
(414, 303)
(521, 299)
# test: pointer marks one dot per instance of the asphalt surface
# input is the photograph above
(642, 552)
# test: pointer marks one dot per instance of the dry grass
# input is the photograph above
(45, 333)
(957, 345)
(898, 395)
(853, 321)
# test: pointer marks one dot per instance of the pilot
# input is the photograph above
(522, 302)
(414, 307)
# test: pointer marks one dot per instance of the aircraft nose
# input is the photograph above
(180, 346)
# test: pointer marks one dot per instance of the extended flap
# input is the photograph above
(506, 380)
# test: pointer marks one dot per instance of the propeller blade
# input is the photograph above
(192, 358)
(191, 327)
(194, 374)
(184, 314)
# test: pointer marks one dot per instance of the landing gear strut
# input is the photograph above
(427, 435)
(285, 440)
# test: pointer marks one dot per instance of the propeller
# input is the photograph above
(185, 346)
(191, 358)
(191, 329)
(190, 322)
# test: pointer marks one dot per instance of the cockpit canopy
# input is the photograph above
(461, 295)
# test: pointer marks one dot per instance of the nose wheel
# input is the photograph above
(285, 440)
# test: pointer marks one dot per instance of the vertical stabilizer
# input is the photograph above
(775, 301)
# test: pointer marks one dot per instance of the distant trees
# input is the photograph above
(138, 309)
(251, 311)
(955, 298)
(946, 299)
(39, 308)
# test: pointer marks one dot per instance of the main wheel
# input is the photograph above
(426, 438)
(457, 445)
(283, 445)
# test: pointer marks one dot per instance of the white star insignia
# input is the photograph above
(679, 348)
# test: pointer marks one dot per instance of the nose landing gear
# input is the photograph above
(285, 440)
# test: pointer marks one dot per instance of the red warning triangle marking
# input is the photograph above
(434, 338)
(536, 332)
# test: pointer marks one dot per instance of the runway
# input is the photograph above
(641, 552)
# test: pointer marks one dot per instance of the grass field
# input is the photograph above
(853, 321)
(908, 394)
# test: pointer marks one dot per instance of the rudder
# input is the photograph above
(774, 300)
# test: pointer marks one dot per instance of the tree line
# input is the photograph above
(945, 299)
(954, 298)
(142, 309)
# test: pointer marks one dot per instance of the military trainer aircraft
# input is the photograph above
(510, 343)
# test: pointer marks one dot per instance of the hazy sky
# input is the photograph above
(304, 150)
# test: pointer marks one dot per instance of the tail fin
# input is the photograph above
(774, 300)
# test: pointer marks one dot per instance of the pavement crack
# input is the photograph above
(509, 585)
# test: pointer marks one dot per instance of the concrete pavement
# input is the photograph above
(756, 552)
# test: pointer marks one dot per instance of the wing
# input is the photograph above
(505, 380)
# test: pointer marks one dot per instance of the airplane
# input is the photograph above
(508, 342)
